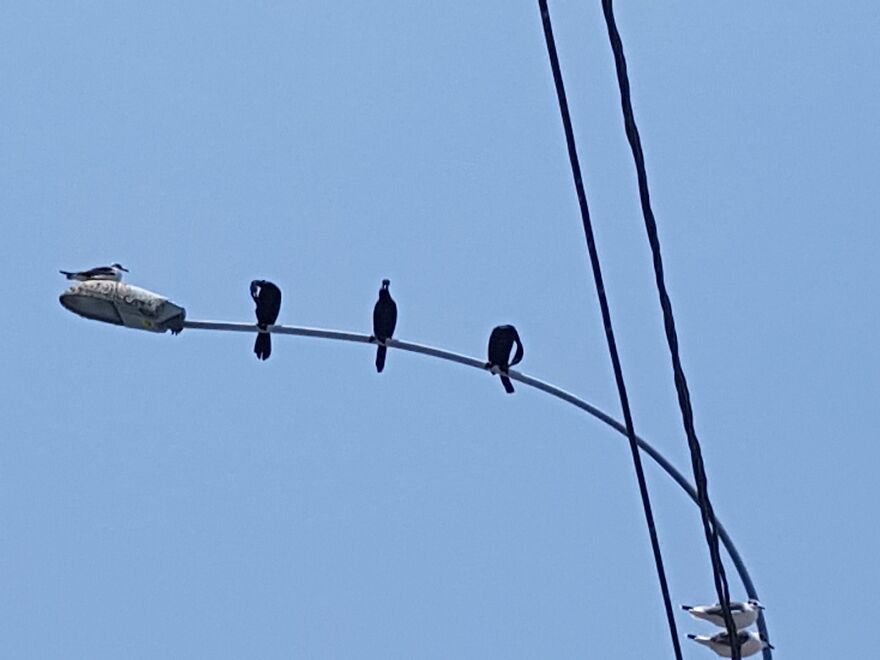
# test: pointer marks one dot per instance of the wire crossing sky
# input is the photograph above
(684, 399)
(606, 322)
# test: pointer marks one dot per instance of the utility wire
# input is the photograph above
(606, 319)
(684, 401)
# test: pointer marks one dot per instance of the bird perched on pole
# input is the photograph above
(744, 614)
(384, 321)
(749, 643)
(112, 272)
(267, 296)
(500, 344)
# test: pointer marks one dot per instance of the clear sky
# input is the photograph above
(172, 497)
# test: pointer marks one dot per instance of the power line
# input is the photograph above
(707, 513)
(606, 319)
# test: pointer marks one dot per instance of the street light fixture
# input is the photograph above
(123, 304)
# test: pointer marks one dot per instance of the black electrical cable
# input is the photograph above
(606, 318)
(708, 516)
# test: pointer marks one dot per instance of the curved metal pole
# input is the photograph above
(552, 390)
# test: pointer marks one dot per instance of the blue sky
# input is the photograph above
(173, 497)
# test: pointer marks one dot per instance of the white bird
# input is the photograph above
(749, 643)
(112, 272)
(744, 614)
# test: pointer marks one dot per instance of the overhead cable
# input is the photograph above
(606, 319)
(684, 401)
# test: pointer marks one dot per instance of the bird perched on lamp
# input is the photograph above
(112, 272)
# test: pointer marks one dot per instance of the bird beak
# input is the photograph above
(770, 646)
(125, 269)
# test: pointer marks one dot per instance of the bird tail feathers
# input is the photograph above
(263, 346)
(508, 386)
(380, 358)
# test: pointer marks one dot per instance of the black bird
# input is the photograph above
(500, 342)
(268, 299)
(384, 320)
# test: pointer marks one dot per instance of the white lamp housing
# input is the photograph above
(123, 304)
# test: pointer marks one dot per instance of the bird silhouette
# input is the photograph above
(384, 321)
(500, 343)
(267, 296)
